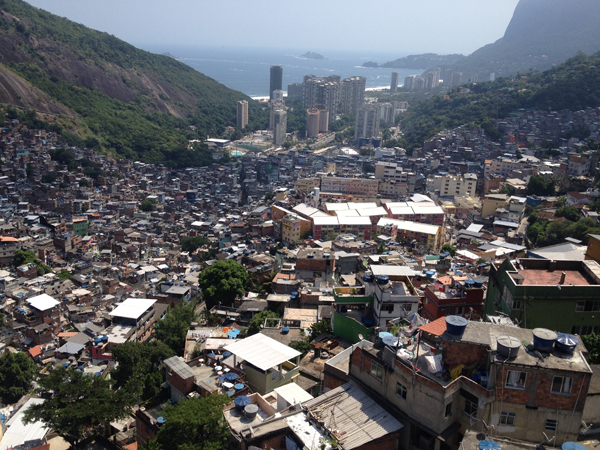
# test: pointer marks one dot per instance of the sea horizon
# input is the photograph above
(248, 69)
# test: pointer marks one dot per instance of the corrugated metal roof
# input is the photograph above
(18, 433)
(392, 270)
(353, 415)
(177, 364)
(262, 351)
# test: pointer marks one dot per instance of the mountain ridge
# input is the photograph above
(137, 104)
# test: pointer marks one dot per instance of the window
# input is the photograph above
(401, 390)
(376, 369)
(387, 307)
(551, 425)
(587, 306)
(561, 385)
(471, 408)
(448, 411)
(515, 380)
(507, 418)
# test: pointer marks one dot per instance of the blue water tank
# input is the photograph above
(456, 325)
(479, 283)
(285, 330)
(429, 273)
(566, 343)
(383, 279)
(543, 339)
(469, 283)
(367, 277)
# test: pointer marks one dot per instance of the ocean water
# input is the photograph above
(247, 69)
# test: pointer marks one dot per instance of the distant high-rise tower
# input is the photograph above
(312, 123)
(279, 126)
(367, 122)
(294, 91)
(352, 94)
(276, 80)
(323, 93)
(394, 83)
(242, 114)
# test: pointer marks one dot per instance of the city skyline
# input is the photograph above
(425, 26)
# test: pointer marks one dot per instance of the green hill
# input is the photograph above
(127, 101)
(572, 85)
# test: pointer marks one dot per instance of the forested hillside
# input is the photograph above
(573, 85)
(126, 101)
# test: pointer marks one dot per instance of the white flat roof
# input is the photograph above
(392, 270)
(293, 394)
(18, 433)
(42, 302)
(132, 308)
(262, 351)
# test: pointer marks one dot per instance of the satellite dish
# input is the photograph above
(360, 336)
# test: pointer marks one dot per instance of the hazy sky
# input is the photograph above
(402, 26)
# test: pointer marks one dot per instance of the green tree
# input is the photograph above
(78, 403)
(192, 243)
(148, 204)
(324, 326)
(448, 248)
(28, 256)
(538, 185)
(173, 328)
(560, 203)
(303, 346)
(258, 320)
(64, 275)
(83, 182)
(17, 372)
(194, 424)
(568, 212)
(533, 217)
(138, 368)
(592, 343)
(223, 282)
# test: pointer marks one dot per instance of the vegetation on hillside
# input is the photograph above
(573, 85)
(136, 104)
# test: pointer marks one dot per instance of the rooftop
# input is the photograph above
(42, 302)
(358, 418)
(132, 308)
(262, 351)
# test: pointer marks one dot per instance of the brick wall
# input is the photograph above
(456, 353)
(184, 386)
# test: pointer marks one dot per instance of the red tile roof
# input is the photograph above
(35, 351)
(437, 327)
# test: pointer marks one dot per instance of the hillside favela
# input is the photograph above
(251, 226)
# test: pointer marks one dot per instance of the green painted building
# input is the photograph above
(563, 296)
(351, 304)
(81, 227)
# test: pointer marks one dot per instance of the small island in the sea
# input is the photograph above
(312, 55)
(370, 64)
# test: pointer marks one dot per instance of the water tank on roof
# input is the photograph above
(310, 256)
(543, 339)
(508, 346)
(326, 255)
(469, 283)
(456, 325)
(160, 421)
(285, 330)
(429, 273)
(250, 411)
(566, 343)
(479, 283)
(367, 277)
(383, 279)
